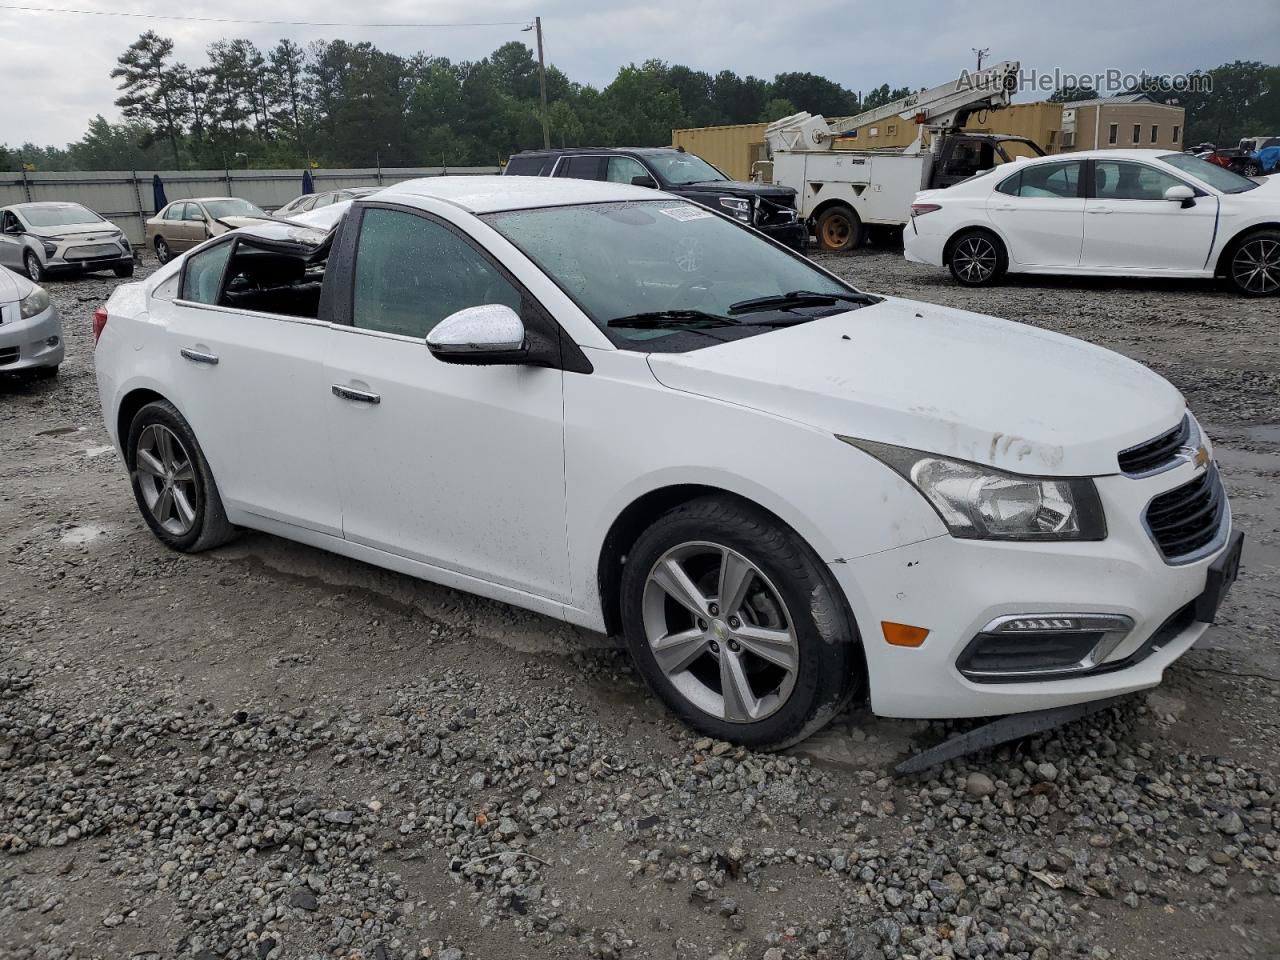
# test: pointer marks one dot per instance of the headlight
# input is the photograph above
(982, 503)
(50, 247)
(35, 302)
(738, 207)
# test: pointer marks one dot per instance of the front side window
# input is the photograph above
(1121, 180)
(412, 272)
(677, 168)
(641, 264)
(10, 224)
(202, 278)
(1051, 180)
(625, 169)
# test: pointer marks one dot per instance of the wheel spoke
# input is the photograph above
(148, 463)
(670, 576)
(735, 576)
(740, 702)
(166, 449)
(186, 513)
(164, 505)
(774, 645)
(184, 473)
(676, 651)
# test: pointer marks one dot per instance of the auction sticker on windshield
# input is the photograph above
(686, 212)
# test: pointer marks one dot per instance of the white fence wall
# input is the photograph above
(125, 197)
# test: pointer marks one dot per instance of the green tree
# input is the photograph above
(150, 89)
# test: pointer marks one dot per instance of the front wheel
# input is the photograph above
(33, 266)
(172, 481)
(977, 259)
(1254, 269)
(1252, 169)
(123, 270)
(736, 626)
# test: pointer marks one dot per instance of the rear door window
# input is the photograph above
(202, 277)
(1051, 180)
(530, 166)
(582, 168)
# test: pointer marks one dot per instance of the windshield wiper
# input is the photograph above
(672, 319)
(800, 298)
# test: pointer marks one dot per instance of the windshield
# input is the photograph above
(678, 168)
(623, 260)
(1220, 178)
(234, 207)
(62, 215)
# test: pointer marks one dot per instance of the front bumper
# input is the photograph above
(955, 588)
(794, 235)
(78, 256)
(30, 343)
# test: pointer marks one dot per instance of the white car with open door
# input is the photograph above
(623, 409)
(1136, 213)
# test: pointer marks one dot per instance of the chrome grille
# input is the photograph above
(1155, 453)
(1189, 518)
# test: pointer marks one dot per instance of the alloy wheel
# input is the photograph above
(974, 259)
(35, 269)
(1256, 266)
(162, 250)
(167, 478)
(720, 632)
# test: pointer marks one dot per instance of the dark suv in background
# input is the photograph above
(770, 209)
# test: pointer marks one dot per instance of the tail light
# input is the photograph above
(920, 209)
(99, 322)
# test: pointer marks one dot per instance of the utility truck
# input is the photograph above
(842, 190)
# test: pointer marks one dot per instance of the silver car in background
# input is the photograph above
(47, 237)
(314, 201)
(30, 330)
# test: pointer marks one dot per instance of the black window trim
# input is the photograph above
(539, 322)
(235, 240)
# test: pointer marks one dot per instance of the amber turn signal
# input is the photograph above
(903, 634)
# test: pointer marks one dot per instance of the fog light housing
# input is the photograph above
(51, 341)
(1042, 646)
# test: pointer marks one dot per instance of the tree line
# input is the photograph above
(340, 104)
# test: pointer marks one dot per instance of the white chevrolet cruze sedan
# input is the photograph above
(630, 412)
(1138, 213)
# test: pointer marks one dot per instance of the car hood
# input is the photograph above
(736, 188)
(234, 222)
(74, 230)
(13, 287)
(945, 381)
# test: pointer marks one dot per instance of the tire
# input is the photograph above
(34, 267)
(977, 258)
(123, 270)
(1252, 169)
(44, 373)
(163, 253)
(786, 592)
(1253, 269)
(193, 484)
(839, 229)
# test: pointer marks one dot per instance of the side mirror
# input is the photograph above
(1181, 193)
(644, 180)
(491, 333)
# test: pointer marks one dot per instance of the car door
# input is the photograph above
(1040, 211)
(195, 228)
(10, 241)
(460, 467)
(1130, 225)
(254, 389)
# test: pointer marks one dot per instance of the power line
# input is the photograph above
(280, 23)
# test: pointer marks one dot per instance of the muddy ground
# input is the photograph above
(268, 752)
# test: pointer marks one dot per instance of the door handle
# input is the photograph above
(359, 396)
(1005, 206)
(1099, 209)
(196, 356)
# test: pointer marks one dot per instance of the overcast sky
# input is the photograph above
(54, 68)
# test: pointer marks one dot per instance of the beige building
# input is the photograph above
(1056, 127)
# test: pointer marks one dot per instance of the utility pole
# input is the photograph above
(542, 82)
(981, 53)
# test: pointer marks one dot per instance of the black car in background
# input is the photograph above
(770, 209)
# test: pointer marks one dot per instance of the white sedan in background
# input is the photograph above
(625, 410)
(1137, 213)
(30, 329)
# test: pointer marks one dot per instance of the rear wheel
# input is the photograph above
(1252, 169)
(1254, 267)
(977, 258)
(734, 624)
(33, 266)
(172, 482)
(162, 250)
(839, 229)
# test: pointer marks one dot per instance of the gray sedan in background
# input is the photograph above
(30, 330)
(47, 237)
(314, 201)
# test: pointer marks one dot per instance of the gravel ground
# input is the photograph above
(267, 752)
